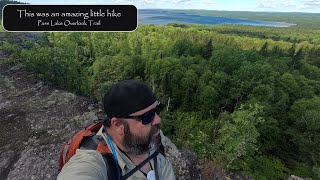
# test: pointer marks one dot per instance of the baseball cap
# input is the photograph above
(126, 97)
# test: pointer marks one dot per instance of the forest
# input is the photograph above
(246, 97)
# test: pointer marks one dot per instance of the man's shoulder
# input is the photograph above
(88, 154)
(85, 163)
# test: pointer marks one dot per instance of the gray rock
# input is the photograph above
(85, 119)
(184, 162)
(5, 157)
(4, 104)
(14, 68)
(293, 177)
(58, 98)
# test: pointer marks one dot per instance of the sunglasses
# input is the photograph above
(148, 116)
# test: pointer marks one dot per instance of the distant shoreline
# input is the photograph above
(283, 24)
(163, 17)
(276, 19)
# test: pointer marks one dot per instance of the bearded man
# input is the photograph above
(131, 130)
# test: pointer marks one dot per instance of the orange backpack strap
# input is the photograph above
(103, 148)
(69, 148)
(98, 143)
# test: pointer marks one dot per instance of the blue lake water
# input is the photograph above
(161, 17)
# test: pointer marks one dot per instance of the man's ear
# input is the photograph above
(117, 126)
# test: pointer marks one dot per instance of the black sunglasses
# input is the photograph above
(148, 116)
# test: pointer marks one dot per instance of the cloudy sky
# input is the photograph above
(232, 5)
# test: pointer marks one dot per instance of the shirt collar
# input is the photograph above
(123, 161)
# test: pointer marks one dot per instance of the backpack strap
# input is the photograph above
(97, 143)
(111, 166)
(162, 150)
(140, 165)
(156, 167)
(90, 143)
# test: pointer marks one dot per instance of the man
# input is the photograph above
(132, 133)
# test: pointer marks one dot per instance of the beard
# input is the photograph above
(137, 145)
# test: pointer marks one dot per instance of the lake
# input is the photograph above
(161, 17)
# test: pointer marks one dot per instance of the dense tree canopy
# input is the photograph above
(248, 101)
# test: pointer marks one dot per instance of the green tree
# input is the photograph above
(189, 89)
(238, 136)
(292, 50)
(207, 50)
(264, 50)
(305, 130)
(296, 59)
(277, 51)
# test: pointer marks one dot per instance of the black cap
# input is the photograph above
(127, 97)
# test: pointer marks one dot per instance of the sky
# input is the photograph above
(311, 6)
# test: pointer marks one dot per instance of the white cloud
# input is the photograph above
(277, 4)
(289, 3)
(267, 3)
(123, 1)
(208, 2)
(311, 3)
(177, 4)
(149, 1)
(181, 1)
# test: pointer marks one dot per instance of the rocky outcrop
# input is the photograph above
(184, 162)
(35, 119)
(293, 177)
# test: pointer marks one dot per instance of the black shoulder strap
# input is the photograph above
(111, 165)
(90, 142)
(139, 166)
(162, 149)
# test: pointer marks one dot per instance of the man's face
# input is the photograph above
(138, 138)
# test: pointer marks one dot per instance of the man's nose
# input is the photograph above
(156, 119)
